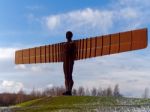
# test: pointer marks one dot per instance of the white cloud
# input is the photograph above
(10, 86)
(36, 68)
(53, 22)
(20, 67)
(7, 53)
(49, 85)
(129, 13)
(119, 16)
(88, 18)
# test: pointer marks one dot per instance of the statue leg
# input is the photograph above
(70, 76)
(66, 76)
(68, 69)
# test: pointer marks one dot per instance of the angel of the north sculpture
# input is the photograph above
(73, 50)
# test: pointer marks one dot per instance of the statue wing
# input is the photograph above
(86, 48)
(111, 44)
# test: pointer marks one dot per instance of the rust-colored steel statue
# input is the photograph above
(68, 62)
(73, 50)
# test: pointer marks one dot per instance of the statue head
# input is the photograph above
(69, 35)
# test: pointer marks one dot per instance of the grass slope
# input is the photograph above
(78, 104)
(65, 103)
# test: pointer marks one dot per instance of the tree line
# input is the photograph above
(7, 99)
(81, 91)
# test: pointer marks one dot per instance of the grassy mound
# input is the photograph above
(84, 104)
(65, 103)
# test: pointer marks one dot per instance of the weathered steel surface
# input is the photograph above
(86, 48)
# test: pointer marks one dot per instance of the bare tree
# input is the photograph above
(146, 93)
(116, 91)
(99, 91)
(109, 91)
(74, 92)
(94, 92)
(20, 96)
(104, 92)
(81, 91)
(87, 92)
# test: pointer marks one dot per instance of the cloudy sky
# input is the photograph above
(30, 23)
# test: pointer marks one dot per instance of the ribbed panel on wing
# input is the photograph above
(42, 54)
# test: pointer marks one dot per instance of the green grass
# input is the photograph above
(78, 104)
(28, 103)
(65, 103)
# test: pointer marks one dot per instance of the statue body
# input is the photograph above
(68, 63)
